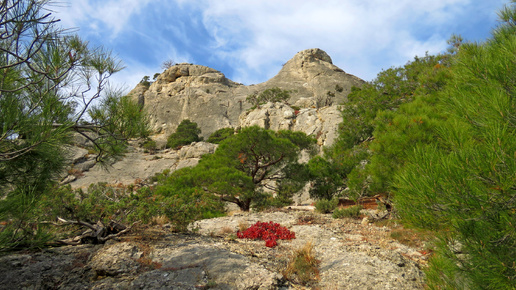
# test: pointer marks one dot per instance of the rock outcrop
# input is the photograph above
(136, 165)
(194, 92)
(313, 76)
(320, 123)
(207, 97)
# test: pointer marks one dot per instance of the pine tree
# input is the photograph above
(49, 83)
(464, 183)
(245, 163)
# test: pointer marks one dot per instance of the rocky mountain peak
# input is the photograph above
(312, 55)
(192, 73)
(205, 96)
(308, 64)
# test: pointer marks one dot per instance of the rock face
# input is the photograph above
(321, 123)
(136, 165)
(311, 74)
(194, 92)
(207, 97)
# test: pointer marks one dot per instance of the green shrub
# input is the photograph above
(149, 145)
(350, 212)
(99, 204)
(382, 121)
(145, 81)
(243, 163)
(102, 202)
(267, 201)
(220, 135)
(269, 95)
(327, 182)
(186, 202)
(186, 133)
(326, 206)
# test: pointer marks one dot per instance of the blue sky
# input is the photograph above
(249, 40)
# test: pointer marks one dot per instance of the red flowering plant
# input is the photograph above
(269, 232)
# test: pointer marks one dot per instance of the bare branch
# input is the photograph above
(96, 231)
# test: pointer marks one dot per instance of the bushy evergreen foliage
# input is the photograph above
(326, 205)
(61, 213)
(398, 131)
(116, 120)
(37, 225)
(244, 164)
(380, 124)
(186, 133)
(325, 177)
(438, 136)
(464, 183)
(49, 81)
(220, 135)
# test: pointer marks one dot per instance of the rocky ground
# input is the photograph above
(353, 254)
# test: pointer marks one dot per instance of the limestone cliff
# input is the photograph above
(205, 96)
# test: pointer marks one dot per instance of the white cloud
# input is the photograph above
(107, 16)
(254, 38)
(267, 32)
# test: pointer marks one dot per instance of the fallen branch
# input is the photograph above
(119, 233)
(96, 233)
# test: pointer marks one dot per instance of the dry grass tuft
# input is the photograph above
(243, 225)
(160, 220)
(145, 261)
(76, 172)
(412, 238)
(226, 230)
(407, 236)
(303, 267)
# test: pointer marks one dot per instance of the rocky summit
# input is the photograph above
(205, 96)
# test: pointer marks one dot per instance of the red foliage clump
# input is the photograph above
(269, 232)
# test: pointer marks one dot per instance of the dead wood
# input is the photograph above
(97, 233)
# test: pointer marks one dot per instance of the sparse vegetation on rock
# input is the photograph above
(149, 146)
(186, 133)
(272, 95)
